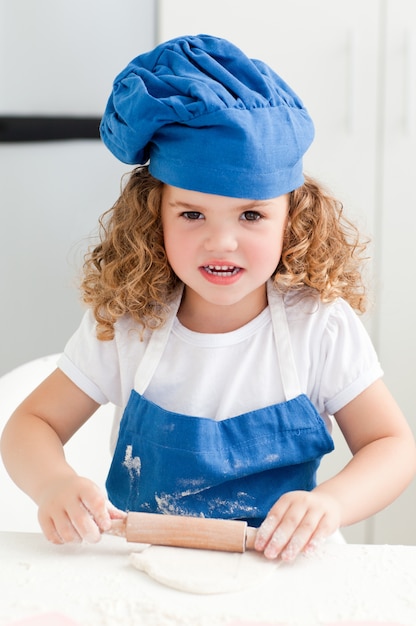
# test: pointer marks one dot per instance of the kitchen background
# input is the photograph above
(354, 65)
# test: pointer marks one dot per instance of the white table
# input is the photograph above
(97, 586)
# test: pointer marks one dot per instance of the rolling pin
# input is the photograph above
(185, 532)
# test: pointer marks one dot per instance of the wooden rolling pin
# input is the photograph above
(185, 532)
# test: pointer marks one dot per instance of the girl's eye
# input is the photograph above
(251, 216)
(192, 215)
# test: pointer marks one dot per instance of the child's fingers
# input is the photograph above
(86, 526)
(114, 512)
(59, 529)
(272, 532)
(310, 527)
(295, 523)
(49, 530)
(80, 512)
(94, 501)
(266, 531)
(80, 522)
(100, 512)
(292, 534)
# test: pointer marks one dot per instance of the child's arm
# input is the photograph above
(383, 464)
(71, 508)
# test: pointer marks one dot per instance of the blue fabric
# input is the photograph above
(209, 119)
(237, 468)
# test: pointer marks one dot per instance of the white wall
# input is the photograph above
(56, 57)
(59, 56)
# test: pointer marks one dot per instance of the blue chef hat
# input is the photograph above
(207, 118)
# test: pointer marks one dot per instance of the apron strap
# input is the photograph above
(160, 337)
(288, 370)
(155, 348)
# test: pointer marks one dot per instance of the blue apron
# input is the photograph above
(166, 462)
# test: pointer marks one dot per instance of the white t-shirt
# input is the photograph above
(223, 375)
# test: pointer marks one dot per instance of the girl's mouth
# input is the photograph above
(221, 270)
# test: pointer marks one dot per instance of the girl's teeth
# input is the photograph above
(221, 270)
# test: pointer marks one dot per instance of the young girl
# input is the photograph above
(221, 321)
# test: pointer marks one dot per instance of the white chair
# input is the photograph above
(88, 451)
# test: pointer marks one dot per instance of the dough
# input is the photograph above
(203, 571)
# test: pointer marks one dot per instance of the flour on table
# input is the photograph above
(203, 571)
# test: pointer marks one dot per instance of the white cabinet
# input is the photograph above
(354, 65)
(396, 298)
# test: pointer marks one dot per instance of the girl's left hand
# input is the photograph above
(298, 522)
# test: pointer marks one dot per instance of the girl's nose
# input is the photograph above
(221, 239)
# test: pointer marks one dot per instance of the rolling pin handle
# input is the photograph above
(118, 528)
(251, 534)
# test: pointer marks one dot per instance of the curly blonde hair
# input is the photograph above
(322, 249)
(128, 271)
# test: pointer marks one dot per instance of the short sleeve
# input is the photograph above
(99, 367)
(348, 360)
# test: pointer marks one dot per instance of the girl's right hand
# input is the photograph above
(74, 509)
(71, 508)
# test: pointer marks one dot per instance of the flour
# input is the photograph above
(203, 571)
(168, 504)
(176, 504)
(133, 463)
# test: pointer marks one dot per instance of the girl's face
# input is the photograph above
(224, 250)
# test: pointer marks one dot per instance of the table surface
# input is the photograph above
(96, 585)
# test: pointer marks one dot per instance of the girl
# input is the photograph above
(221, 321)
